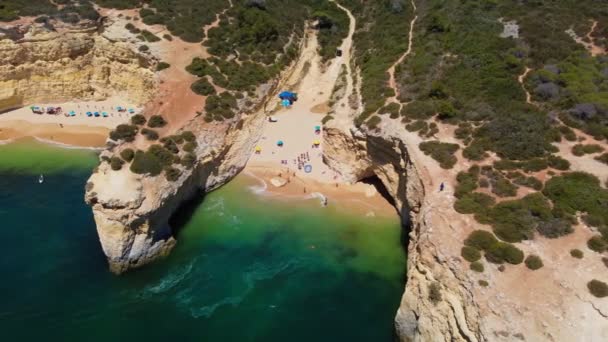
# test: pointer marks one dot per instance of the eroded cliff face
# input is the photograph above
(132, 212)
(52, 66)
(387, 154)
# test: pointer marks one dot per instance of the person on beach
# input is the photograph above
(441, 187)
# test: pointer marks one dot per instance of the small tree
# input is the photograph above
(138, 119)
(598, 288)
(156, 121)
(116, 163)
(435, 292)
(534, 262)
(127, 154)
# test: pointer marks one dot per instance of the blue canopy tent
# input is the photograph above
(96, 114)
(72, 113)
(104, 114)
(280, 143)
(89, 114)
(287, 95)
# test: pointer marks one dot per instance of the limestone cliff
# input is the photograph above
(50, 66)
(132, 212)
(387, 154)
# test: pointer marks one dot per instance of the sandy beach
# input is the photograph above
(358, 198)
(78, 130)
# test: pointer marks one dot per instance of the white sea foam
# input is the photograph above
(260, 188)
(67, 146)
(171, 280)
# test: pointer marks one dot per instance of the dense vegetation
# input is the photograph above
(72, 12)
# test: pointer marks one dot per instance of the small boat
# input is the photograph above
(40, 179)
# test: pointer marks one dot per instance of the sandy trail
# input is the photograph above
(392, 83)
(589, 43)
(521, 79)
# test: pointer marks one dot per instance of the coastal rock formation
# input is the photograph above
(388, 156)
(133, 212)
(47, 65)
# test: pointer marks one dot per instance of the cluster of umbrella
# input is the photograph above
(97, 114)
(123, 109)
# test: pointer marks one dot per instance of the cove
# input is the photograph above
(246, 267)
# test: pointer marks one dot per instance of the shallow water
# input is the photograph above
(246, 268)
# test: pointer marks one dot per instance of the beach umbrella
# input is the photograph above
(104, 114)
(119, 108)
(258, 149)
(96, 114)
(317, 128)
(285, 103)
(308, 168)
(89, 114)
(280, 143)
(317, 142)
(72, 113)
(131, 110)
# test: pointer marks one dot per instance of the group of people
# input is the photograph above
(302, 160)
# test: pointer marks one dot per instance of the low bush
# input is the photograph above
(150, 134)
(189, 146)
(138, 119)
(435, 292)
(581, 150)
(149, 36)
(481, 240)
(597, 243)
(502, 187)
(146, 163)
(127, 154)
(162, 66)
(373, 122)
(598, 288)
(474, 203)
(602, 158)
(171, 146)
(144, 48)
(163, 155)
(441, 152)
(576, 253)
(392, 109)
(477, 267)
(188, 136)
(501, 252)
(483, 283)
(116, 163)
(172, 174)
(124, 132)
(533, 262)
(203, 87)
(189, 160)
(156, 121)
(554, 228)
(470, 254)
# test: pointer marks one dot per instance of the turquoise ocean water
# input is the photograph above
(246, 268)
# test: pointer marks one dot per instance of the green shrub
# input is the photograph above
(470, 254)
(203, 87)
(150, 134)
(483, 283)
(533, 262)
(598, 288)
(116, 163)
(435, 292)
(188, 136)
(503, 188)
(501, 252)
(189, 160)
(163, 155)
(144, 48)
(127, 154)
(441, 152)
(138, 119)
(156, 121)
(602, 158)
(149, 36)
(190, 146)
(597, 243)
(373, 122)
(162, 66)
(146, 163)
(558, 163)
(392, 109)
(581, 150)
(172, 174)
(124, 132)
(481, 240)
(576, 253)
(171, 146)
(554, 228)
(326, 119)
(168, 37)
(477, 266)
(474, 203)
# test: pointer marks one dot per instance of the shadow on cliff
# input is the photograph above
(184, 213)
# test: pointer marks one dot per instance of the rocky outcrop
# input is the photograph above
(132, 212)
(52, 66)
